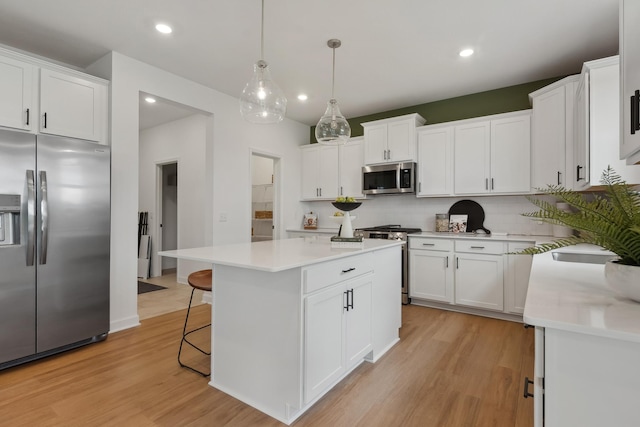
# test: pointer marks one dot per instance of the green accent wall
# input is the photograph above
(504, 100)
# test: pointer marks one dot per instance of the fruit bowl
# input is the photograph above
(346, 206)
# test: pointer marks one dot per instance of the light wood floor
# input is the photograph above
(449, 369)
(174, 298)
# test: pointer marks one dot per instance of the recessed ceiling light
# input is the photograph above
(466, 52)
(150, 100)
(164, 28)
(302, 97)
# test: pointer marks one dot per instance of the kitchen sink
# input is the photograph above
(584, 253)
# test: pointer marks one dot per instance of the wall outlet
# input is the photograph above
(223, 217)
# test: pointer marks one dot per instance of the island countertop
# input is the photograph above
(276, 255)
(573, 297)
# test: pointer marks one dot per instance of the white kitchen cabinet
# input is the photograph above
(320, 172)
(391, 140)
(329, 171)
(42, 97)
(599, 373)
(552, 133)
(71, 106)
(630, 81)
(431, 269)
(479, 281)
(17, 88)
(435, 160)
(469, 274)
(597, 123)
(350, 163)
(338, 332)
(492, 155)
(517, 270)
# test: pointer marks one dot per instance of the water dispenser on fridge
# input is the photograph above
(9, 219)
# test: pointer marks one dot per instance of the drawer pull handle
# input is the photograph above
(446, 265)
(428, 244)
(527, 381)
(477, 247)
(348, 270)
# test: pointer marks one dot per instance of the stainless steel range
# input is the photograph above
(393, 232)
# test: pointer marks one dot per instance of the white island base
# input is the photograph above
(291, 318)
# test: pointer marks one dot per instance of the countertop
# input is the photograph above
(573, 297)
(493, 236)
(276, 255)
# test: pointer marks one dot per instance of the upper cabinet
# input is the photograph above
(391, 140)
(492, 156)
(435, 160)
(597, 125)
(71, 105)
(40, 97)
(630, 81)
(329, 171)
(16, 87)
(552, 133)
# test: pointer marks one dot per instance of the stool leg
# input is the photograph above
(184, 339)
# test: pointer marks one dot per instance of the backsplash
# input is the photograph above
(502, 213)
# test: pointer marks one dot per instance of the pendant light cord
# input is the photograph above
(333, 73)
(262, 33)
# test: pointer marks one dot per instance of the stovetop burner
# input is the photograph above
(392, 228)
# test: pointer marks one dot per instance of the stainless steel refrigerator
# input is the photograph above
(54, 245)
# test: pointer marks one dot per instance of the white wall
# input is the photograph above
(227, 163)
(182, 141)
(502, 213)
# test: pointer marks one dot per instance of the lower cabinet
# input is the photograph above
(469, 273)
(479, 281)
(431, 269)
(583, 379)
(338, 332)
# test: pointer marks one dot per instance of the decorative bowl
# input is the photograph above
(346, 206)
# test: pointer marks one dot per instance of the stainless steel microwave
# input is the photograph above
(390, 178)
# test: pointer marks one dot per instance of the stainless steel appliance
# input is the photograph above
(390, 178)
(54, 245)
(393, 232)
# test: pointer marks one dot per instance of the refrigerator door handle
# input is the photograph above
(31, 216)
(44, 213)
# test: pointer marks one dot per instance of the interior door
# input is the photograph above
(17, 272)
(73, 252)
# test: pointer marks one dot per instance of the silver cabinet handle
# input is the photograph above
(457, 263)
(31, 216)
(44, 213)
(492, 183)
(477, 247)
(428, 244)
(341, 191)
(486, 184)
(446, 263)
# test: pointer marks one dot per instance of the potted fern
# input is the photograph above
(610, 220)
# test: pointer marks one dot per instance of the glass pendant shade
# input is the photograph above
(262, 100)
(333, 128)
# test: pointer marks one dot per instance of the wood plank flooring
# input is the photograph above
(449, 369)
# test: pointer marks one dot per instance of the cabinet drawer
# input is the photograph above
(430, 244)
(328, 273)
(480, 247)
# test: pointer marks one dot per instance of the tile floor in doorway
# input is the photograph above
(174, 298)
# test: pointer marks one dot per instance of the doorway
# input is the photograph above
(168, 215)
(264, 200)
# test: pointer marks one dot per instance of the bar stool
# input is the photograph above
(198, 280)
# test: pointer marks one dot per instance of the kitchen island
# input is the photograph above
(291, 318)
(587, 346)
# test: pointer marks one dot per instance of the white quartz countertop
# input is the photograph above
(478, 236)
(277, 255)
(573, 297)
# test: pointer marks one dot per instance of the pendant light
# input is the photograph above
(333, 128)
(262, 100)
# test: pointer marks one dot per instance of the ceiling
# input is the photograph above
(394, 54)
